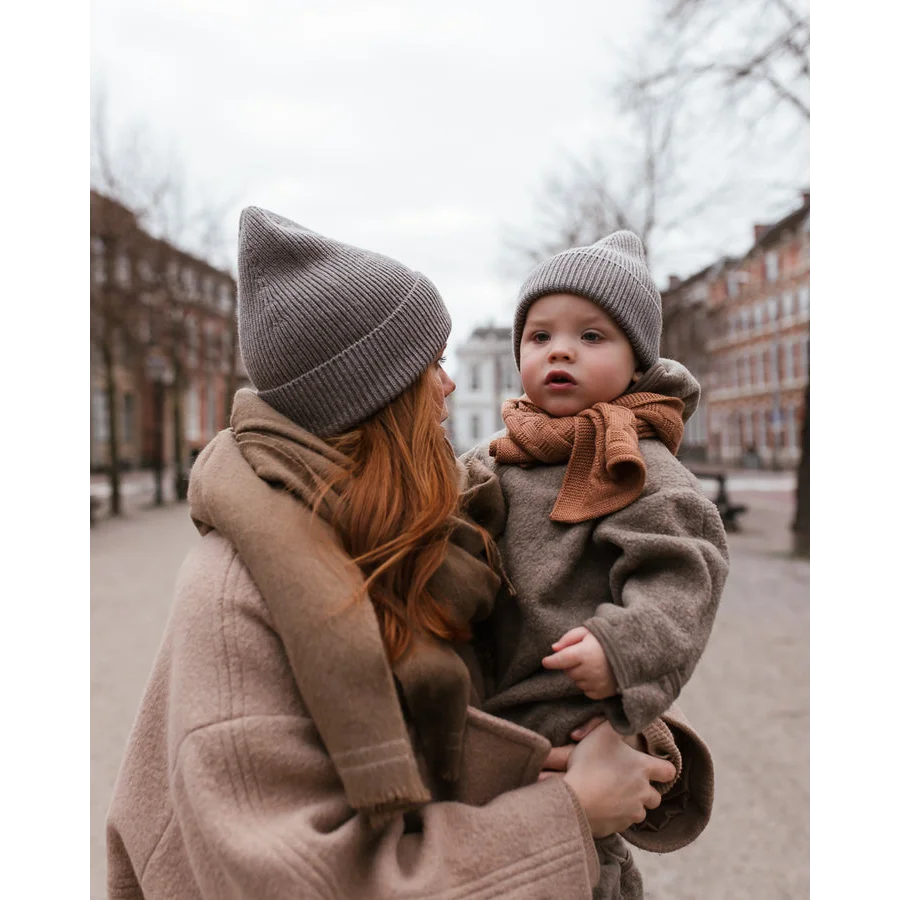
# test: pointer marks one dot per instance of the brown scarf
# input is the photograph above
(605, 470)
(246, 484)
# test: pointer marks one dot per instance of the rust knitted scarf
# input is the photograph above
(605, 470)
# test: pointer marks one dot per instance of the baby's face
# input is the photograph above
(573, 355)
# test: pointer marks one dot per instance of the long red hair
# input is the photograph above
(392, 512)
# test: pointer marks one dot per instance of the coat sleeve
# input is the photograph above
(227, 790)
(687, 804)
(263, 814)
(665, 585)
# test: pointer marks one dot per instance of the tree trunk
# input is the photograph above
(112, 405)
(801, 503)
(178, 428)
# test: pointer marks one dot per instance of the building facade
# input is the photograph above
(742, 327)
(686, 337)
(163, 330)
(486, 376)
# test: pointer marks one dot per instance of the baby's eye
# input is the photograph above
(592, 337)
(541, 337)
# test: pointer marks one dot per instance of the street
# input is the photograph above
(749, 697)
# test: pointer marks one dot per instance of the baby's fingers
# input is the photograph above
(582, 731)
(564, 659)
(571, 637)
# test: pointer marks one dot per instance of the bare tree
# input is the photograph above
(113, 320)
(728, 74)
(747, 51)
(127, 169)
(584, 200)
(756, 57)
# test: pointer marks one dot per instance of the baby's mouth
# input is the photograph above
(559, 377)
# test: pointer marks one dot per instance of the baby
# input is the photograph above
(615, 557)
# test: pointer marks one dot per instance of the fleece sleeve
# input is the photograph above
(666, 583)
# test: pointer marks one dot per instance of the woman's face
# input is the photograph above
(444, 384)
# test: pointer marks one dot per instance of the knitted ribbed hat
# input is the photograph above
(613, 274)
(329, 333)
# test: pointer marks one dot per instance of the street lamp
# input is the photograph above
(159, 376)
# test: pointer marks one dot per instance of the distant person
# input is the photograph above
(615, 556)
(309, 729)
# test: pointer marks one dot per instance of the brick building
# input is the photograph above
(742, 326)
(163, 326)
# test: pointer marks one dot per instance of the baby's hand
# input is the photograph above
(580, 655)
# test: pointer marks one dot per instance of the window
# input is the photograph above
(787, 304)
(773, 309)
(732, 284)
(211, 342)
(212, 425)
(759, 313)
(190, 336)
(190, 282)
(226, 303)
(772, 265)
(145, 272)
(98, 260)
(192, 414)
(803, 300)
(476, 427)
(123, 270)
(100, 416)
(475, 377)
(226, 352)
(788, 356)
(512, 382)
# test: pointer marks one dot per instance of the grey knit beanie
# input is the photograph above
(329, 333)
(613, 274)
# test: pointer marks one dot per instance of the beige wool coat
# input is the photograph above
(227, 789)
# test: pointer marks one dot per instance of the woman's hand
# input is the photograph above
(612, 780)
(557, 760)
(636, 741)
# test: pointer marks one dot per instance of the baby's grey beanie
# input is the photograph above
(329, 333)
(613, 273)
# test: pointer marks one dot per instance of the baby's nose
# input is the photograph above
(560, 351)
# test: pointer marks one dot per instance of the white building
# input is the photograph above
(486, 377)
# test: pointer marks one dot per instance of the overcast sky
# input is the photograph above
(421, 130)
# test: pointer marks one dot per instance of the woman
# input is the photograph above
(323, 754)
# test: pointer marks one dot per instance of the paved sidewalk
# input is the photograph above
(749, 697)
